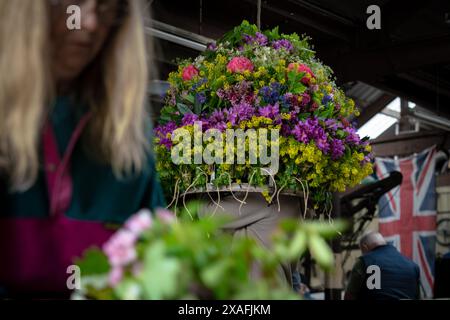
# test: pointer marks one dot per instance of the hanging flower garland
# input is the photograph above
(263, 80)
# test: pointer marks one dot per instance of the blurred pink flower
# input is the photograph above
(304, 69)
(166, 216)
(140, 222)
(115, 276)
(189, 72)
(239, 65)
(120, 248)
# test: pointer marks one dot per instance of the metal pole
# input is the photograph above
(258, 15)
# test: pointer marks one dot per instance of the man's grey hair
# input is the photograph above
(372, 239)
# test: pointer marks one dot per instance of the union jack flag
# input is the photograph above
(407, 214)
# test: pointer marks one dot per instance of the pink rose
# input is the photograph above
(120, 248)
(301, 68)
(165, 216)
(189, 72)
(239, 65)
(140, 222)
(115, 276)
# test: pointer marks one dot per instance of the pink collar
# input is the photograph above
(57, 168)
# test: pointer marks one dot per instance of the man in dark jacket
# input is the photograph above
(382, 273)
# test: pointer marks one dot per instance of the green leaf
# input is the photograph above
(298, 244)
(340, 134)
(128, 290)
(160, 274)
(190, 98)
(197, 107)
(327, 230)
(215, 273)
(93, 262)
(321, 251)
(184, 109)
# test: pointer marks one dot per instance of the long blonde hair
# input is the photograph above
(114, 87)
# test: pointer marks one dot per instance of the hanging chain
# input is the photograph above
(258, 15)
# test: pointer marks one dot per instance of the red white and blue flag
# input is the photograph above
(407, 214)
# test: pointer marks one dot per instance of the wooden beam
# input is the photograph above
(310, 19)
(375, 64)
(374, 108)
(428, 99)
(407, 144)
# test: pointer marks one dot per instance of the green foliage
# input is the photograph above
(197, 259)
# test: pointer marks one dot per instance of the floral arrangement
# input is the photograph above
(264, 80)
(156, 256)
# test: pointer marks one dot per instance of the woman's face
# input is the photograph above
(74, 49)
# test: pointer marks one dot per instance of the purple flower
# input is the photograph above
(211, 46)
(200, 97)
(331, 124)
(217, 120)
(271, 94)
(189, 119)
(368, 158)
(311, 130)
(162, 131)
(259, 39)
(283, 44)
(306, 99)
(300, 132)
(322, 143)
(240, 112)
(269, 111)
(352, 136)
(248, 39)
(337, 149)
(241, 92)
(327, 98)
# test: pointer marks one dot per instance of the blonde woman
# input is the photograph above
(74, 134)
